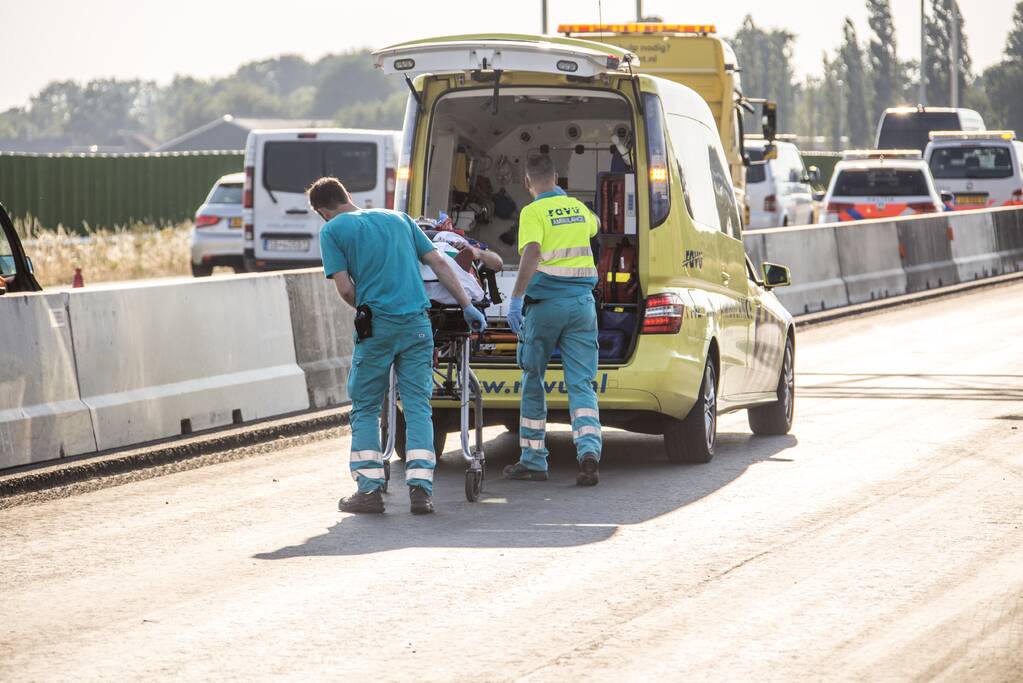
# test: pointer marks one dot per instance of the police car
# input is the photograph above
(980, 169)
(885, 183)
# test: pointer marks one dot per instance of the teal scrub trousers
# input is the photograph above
(407, 343)
(571, 324)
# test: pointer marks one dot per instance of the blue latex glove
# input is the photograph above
(515, 314)
(476, 321)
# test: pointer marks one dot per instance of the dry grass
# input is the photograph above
(124, 253)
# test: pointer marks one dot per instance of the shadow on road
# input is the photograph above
(911, 386)
(637, 484)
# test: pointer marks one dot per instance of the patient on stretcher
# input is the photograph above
(464, 259)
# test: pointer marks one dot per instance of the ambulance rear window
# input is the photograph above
(881, 182)
(974, 161)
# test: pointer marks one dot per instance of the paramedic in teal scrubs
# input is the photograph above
(373, 256)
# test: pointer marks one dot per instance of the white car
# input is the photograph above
(778, 191)
(880, 184)
(281, 231)
(979, 169)
(216, 238)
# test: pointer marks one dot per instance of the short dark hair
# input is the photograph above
(327, 193)
(540, 167)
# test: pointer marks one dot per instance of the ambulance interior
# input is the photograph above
(477, 156)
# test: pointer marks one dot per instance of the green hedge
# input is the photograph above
(106, 190)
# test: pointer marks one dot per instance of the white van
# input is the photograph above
(281, 231)
(779, 191)
(909, 127)
(980, 169)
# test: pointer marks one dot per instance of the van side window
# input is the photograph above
(724, 195)
(689, 140)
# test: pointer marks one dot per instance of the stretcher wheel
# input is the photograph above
(473, 484)
(387, 475)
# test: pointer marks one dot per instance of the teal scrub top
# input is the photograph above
(381, 251)
(543, 286)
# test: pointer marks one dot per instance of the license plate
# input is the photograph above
(971, 199)
(286, 245)
(236, 222)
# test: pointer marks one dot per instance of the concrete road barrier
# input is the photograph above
(160, 360)
(974, 246)
(812, 256)
(1008, 226)
(41, 414)
(869, 261)
(323, 328)
(927, 252)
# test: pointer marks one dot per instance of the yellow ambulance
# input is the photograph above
(688, 328)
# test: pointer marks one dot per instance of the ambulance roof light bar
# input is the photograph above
(644, 27)
(973, 135)
(880, 154)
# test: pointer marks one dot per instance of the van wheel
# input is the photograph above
(776, 418)
(202, 270)
(692, 439)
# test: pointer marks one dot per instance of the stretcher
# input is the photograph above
(453, 379)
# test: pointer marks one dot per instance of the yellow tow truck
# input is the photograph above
(691, 54)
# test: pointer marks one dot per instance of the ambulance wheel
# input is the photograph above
(692, 440)
(776, 418)
(473, 485)
(399, 434)
(387, 475)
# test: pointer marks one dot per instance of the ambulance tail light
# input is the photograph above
(657, 159)
(833, 211)
(247, 191)
(770, 203)
(390, 182)
(663, 314)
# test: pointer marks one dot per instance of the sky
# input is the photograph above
(46, 40)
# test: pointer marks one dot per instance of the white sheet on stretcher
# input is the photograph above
(436, 291)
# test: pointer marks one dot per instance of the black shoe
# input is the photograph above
(371, 502)
(420, 499)
(520, 471)
(588, 474)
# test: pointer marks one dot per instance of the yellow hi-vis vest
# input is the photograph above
(563, 227)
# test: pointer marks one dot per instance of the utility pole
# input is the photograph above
(923, 56)
(841, 114)
(543, 20)
(953, 71)
(639, 10)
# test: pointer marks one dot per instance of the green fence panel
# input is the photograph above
(107, 190)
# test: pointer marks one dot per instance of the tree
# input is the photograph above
(938, 41)
(344, 80)
(1003, 82)
(766, 61)
(856, 102)
(882, 58)
(1014, 43)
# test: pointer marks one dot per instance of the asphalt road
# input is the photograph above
(882, 540)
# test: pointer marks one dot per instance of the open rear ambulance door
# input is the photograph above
(565, 56)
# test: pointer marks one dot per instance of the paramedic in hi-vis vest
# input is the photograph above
(552, 305)
(373, 256)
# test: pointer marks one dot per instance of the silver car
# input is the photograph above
(217, 229)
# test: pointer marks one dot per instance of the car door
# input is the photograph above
(736, 318)
(15, 267)
(767, 338)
